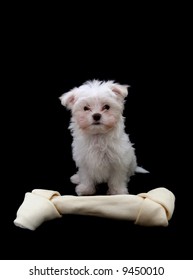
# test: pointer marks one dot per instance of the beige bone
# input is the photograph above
(154, 208)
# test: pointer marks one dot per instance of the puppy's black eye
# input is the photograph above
(106, 107)
(86, 108)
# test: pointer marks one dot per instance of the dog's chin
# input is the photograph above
(97, 128)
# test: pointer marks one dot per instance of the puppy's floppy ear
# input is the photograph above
(120, 90)
(68, 99)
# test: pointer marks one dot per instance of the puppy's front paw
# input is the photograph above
(84, 190)
(114, 191)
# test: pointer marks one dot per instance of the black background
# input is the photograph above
(44, 58)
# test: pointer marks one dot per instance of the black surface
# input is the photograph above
(42, 64)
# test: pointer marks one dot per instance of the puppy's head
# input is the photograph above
(96, 106)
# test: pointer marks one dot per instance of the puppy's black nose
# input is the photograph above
(96, 116)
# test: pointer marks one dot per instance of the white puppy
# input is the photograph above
(101, 148)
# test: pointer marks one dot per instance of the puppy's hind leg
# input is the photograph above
(75, 179)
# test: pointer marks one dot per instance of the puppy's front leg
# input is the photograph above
(86, 186)
(117, 183)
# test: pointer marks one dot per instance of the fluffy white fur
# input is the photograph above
(101, 148)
